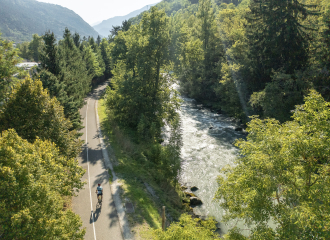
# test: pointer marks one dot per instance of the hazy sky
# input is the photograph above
(97, 10)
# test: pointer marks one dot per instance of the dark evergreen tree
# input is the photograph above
(114, 31)
(76, 39)
(326, 39)
(106, 58)
(98, 40)
(50, 69)
(277, 37)
(65, 75)
(126, 25)
(49, 57)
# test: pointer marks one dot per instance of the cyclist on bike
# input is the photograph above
(99, 191)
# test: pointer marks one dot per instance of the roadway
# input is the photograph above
(101, 222)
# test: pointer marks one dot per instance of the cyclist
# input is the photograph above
(99, 191)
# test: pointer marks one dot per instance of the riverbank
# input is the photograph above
(143, 197)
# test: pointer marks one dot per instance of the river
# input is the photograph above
(207, 147)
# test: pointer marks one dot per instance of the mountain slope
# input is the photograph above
(105, 26)
(22, 18)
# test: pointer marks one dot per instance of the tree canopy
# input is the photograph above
(283, 175)
(34, 177)
(34, 114)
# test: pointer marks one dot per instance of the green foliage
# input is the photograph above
(201, 53)
(280, 96)
(106, 56)
(136, 168)
(66, 74)
(33, 180)
(278, 37)
(24, 51)
(282, 176)
(8, 60)
(92, 62)
(188, 228)
(35, 47)
(139, 88)
(33, 114)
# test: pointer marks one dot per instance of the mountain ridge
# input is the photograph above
(106, 25)
(20, 19)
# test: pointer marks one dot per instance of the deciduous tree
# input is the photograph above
(282, 176)
(33, 180)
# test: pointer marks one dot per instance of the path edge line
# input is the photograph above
(115, 187)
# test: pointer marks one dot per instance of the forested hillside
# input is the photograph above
(22, 18)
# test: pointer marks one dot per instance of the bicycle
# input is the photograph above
(99, 198)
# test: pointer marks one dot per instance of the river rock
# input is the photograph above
(195, 201)
(188, 194)
(238, 129)
(194, 188)
(210, 127)
(219, 111)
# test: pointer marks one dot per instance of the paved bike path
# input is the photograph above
(100, 222)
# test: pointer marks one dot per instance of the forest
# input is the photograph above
(264, 62)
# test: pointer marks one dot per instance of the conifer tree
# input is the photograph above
(98, 40)
(76, 39)
(106, 56)
(74, 75)
(277, 36)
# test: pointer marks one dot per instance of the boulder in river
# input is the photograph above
(195, 201)
(238, 129)
(188, 194)
(210, 127)
(194, 188)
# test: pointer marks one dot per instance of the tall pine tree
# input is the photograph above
(278, 39)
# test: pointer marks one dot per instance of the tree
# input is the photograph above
(98, 54)
(33, 180)
(98, 40)
(106, 56)
(35, 47)
(282, 175)
(188, 228)
(49, 57)
(76, 39)
(8, 60)
(92, 63)
(126, 25)
(141, 92)
(33, 114)
(75, 77)
(24, 51)
(278, 37)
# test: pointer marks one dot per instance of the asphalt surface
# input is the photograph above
(101, 222)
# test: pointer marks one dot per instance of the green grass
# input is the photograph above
(131, 175)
